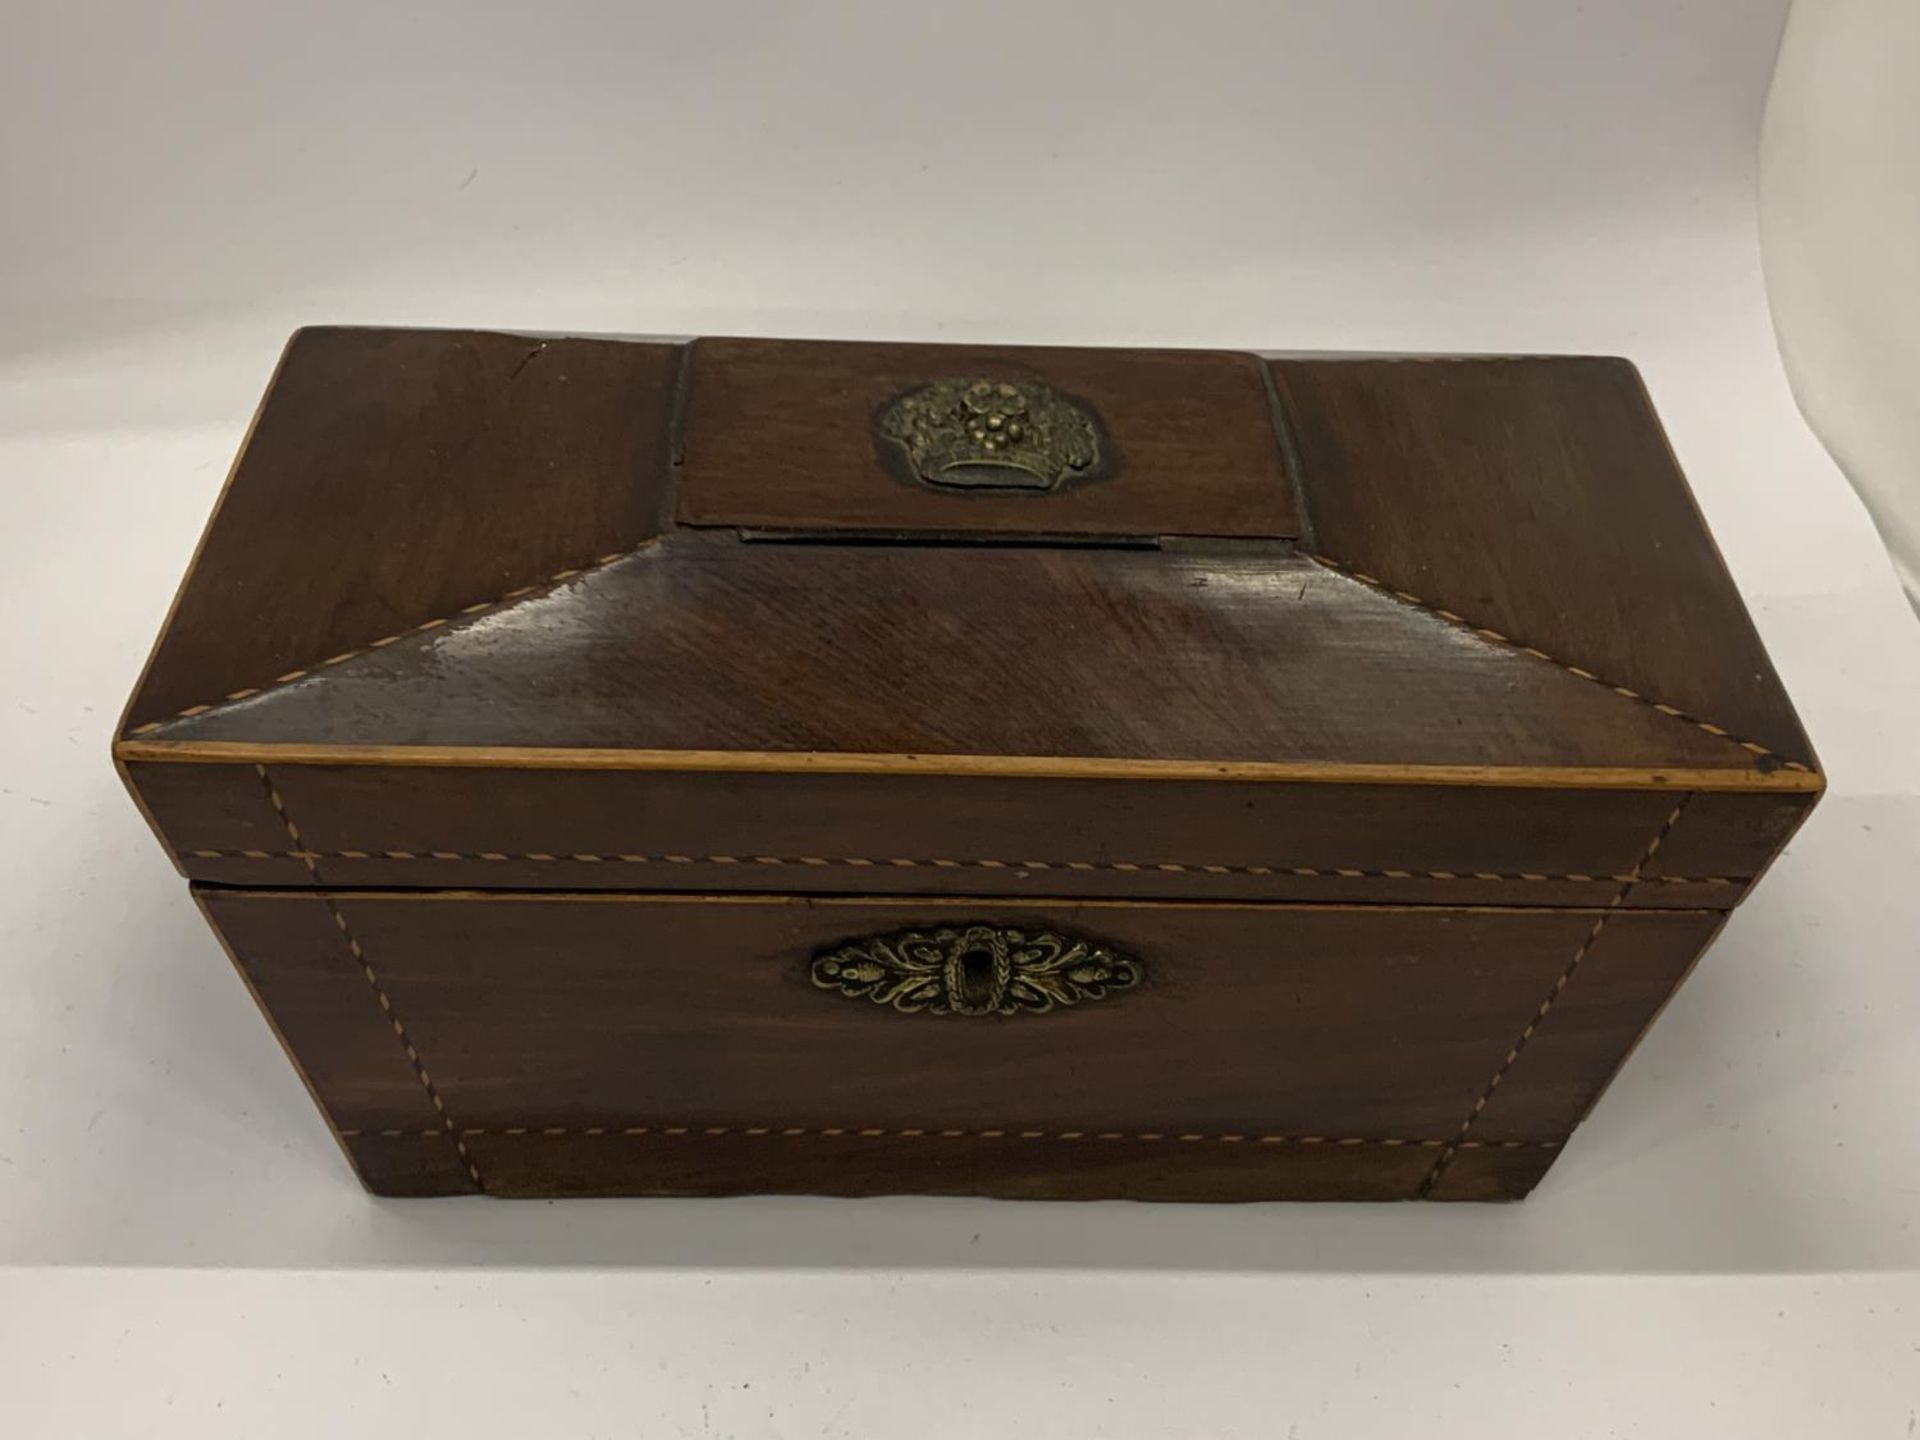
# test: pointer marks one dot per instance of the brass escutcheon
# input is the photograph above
(975, 970)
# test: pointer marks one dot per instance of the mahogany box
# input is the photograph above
(631, 767)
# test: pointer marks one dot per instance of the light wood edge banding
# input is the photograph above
(1040, 767)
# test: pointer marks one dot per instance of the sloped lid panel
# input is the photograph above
(1539, 499)
(396, 477)
(704, 643)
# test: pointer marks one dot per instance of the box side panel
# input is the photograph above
(427, 827)
(1497, 1172)
(1561, 1059)
(219, 822)
(1721, 835)
(326, 1007)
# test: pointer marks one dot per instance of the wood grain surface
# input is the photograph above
(1262, 1031)
(395, 477)
(701, 642)
(779, 434)
(430, 540)
(1539, 498)
(570, 829)
(534, 709)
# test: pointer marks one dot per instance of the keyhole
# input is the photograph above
(976, 977)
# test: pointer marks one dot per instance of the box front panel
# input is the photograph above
(700, 1044)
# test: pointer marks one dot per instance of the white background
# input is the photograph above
(1728, 1248)
(1840, 230)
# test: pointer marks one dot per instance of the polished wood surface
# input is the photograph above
(571, 829)
(1371, 1028)
(704, 642)
(396, 477)
(1539, 498)
(535, 708)
(347, 509)
(779, 434)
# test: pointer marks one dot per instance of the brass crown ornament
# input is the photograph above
(992, 435)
